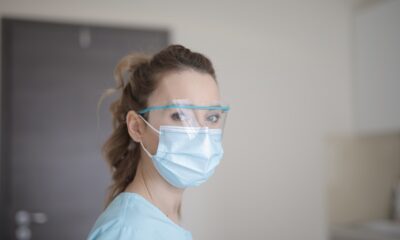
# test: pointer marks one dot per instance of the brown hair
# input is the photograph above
(142, 73)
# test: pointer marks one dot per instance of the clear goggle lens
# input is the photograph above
(184, 114)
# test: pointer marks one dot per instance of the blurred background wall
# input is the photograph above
(364, 167)
(285, 67)
(362, 174)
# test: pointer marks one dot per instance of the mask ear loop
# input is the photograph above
(149, 124)
(154, 129)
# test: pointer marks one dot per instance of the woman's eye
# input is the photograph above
(178, 116)
(213, 118)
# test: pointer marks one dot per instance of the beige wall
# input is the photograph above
(364, 168)
(284, 66)
(362, 173)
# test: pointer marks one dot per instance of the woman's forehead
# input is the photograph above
(195, 87)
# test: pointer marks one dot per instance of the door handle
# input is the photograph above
(24, 219)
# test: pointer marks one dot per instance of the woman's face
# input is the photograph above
(196, 87)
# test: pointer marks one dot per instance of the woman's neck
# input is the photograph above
(150, 184)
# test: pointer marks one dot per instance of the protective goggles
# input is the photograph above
(183, 113)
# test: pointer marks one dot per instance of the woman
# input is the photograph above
(167, 134)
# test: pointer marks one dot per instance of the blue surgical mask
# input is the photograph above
(187, 156)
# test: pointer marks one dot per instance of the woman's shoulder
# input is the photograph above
(120, 220)
(113, 229)
(130, 216)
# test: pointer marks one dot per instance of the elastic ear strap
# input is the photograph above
(148, 153)
(149, 124)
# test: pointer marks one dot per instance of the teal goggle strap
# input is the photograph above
(145, 110)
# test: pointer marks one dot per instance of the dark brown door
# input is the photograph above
(53, 178)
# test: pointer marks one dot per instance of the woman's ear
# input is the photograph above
(135, 126)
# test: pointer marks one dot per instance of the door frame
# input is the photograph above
(5, 196)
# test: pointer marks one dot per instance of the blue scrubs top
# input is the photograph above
(131, 216)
